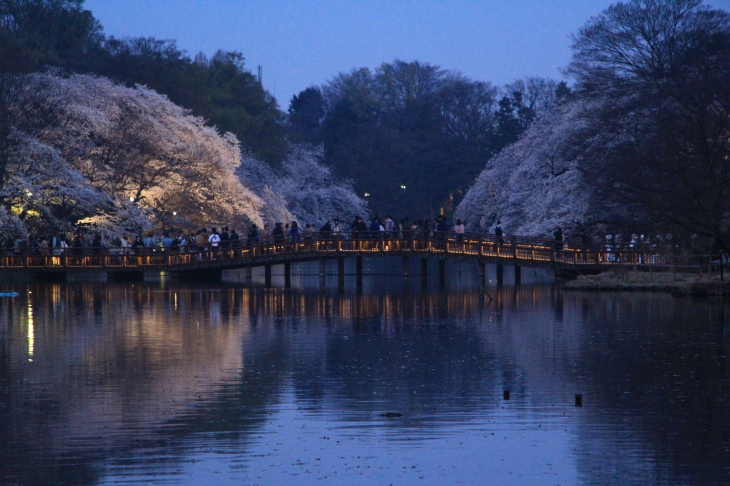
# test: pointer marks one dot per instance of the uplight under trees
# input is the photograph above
(84, 149)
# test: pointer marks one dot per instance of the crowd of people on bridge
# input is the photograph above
(87, 241)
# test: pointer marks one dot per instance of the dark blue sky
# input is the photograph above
(301, 43)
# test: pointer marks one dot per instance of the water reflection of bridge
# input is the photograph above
(209, 263)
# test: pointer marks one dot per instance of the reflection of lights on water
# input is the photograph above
(175, 300)
(31, 331)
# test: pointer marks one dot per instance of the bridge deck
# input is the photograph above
(520, 251)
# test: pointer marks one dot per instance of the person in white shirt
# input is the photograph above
(214, 239)
(459, 230)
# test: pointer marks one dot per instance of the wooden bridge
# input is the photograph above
(568, 257)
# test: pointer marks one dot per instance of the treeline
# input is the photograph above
(414, 136)
(642, 146)
(36, 34)
(410, 135)
(105, 150)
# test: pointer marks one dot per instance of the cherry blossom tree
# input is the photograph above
(535, 184)
(83, 149)
(303, 188)
(135, 145)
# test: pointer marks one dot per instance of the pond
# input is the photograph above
(176, 383)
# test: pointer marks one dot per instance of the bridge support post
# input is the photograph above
(248, 272)
(518, 275)
(267, 275)
(442, 273)
(358, 271)
(405, 266)
(341, 272)
(482, 272)
(500, 275)
(424, 272)
(287, 275)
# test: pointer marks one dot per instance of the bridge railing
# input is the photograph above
(515, 248)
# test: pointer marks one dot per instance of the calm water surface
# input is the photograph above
(171, 383)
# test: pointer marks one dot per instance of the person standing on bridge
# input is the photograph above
(559, 238)
(278, 234)
(442, 230)
(253, 235)
(214, 239)
(266, 234)
(459, 230)
(294, 232)
(358, 228)
(499, 233)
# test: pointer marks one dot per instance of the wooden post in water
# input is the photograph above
(518, 275)
(405, 267)
(322, 267)
(500, 275)
(442, 273)
(482, 273)
(267, 275)
(287, 275)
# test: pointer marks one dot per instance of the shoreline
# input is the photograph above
(679, 283)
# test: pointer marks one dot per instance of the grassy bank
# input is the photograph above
(679, 283)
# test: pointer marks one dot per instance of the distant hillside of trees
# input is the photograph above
(413, 136)
(642, 138)
(409, 134)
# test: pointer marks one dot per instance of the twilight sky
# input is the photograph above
(300, 43)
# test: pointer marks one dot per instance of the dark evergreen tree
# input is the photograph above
(306, 112)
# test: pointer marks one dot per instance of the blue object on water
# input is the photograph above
(9, 294)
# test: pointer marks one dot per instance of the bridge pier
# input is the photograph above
(482, 272)
(442, 273)
(267, 275)
(424, 273)
(500, 275)
(358, 271)
(287, 275)
(341, 272)
(518, 275)
(405, 266)
(322, 267)
(87, 275)
(248, 273)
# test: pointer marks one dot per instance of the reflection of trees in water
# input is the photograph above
(110, 363)
(658, 369)
(121, 368)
